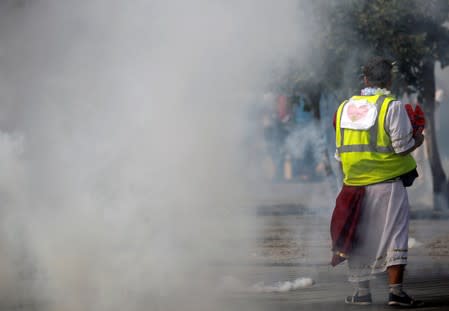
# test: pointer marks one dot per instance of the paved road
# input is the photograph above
(289, 240)
(293, 246)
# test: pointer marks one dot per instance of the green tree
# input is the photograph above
(411, 32)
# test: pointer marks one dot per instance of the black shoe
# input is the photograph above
(403, 301)
(359, 300)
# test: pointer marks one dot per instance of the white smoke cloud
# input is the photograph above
(126, 182)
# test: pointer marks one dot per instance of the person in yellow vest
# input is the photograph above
(374, 139)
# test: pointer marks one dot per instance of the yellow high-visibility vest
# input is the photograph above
(367, 155)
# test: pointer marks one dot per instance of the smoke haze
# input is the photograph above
(121, 146)
(123, 165)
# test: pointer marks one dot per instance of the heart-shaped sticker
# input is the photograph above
(357, 112)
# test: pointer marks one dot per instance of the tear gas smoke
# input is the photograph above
(121, 146)
(230, 283)
(123, 170)
(281, 287)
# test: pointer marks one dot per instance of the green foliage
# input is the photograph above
(410, 32)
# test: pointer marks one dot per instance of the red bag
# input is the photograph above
(416, 117)
(420, 120)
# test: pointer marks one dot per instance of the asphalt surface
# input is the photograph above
(293, 243)
(286, 259)
(289, 241)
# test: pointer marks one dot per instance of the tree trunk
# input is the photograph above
(440, 182)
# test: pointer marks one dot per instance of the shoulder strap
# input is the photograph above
(373, 133)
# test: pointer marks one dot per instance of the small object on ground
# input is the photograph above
(281, 287)
(412, 243)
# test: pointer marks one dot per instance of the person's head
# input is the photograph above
(377, 72)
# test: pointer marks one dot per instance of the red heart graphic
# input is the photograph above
(356, 113)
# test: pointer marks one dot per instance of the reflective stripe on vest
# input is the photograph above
(370, 158)
(373, 131)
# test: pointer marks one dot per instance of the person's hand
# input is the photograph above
(419, 139)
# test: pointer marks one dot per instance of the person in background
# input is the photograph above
(369, 225)
(304, 160)
(275, 132)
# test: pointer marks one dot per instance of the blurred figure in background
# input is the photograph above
(299, 144)
(275, 131)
